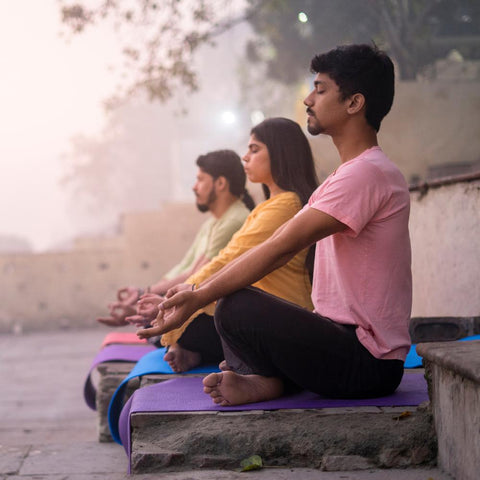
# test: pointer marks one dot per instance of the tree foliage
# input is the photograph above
(414, 32)
(159, 38)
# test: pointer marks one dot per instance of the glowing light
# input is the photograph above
(303, 17)
(256, 117)
(228, 117)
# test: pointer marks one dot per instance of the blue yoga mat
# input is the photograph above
(414, 360)
(151, 363)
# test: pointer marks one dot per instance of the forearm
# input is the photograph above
(244, 271)
(292, 237)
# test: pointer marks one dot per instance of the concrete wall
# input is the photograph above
(70, 289)
(445, 234)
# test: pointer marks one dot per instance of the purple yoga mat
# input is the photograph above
(186, 395)
(112, 353)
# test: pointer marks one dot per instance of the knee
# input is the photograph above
(224, 313)
(228, 310)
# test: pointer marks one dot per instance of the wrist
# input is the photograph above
(201, 296)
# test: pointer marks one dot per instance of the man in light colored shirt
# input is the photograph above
(220, 190)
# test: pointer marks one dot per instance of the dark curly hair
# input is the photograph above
(361, 69)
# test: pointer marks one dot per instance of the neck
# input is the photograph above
(274, 189)
(353, 141)
(222, 204)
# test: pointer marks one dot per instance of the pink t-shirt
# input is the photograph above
(363, 275)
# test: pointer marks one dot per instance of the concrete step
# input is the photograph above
(336, 439)
(453, 376)
(110, 376)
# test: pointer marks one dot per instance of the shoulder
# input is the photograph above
(207, 225)
(278, 209)
(372, 171)
(284, 200)
(236, 213)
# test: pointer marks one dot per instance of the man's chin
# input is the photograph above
(313, 129)
(202, 207)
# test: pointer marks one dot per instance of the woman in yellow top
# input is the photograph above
(287, 185)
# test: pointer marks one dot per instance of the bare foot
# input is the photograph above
(223, 366)
(230, 388)
(182, 360)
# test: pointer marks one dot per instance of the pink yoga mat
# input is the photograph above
(122, 337)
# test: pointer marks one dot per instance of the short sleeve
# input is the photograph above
(352, 195)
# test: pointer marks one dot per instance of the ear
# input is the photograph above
(356, 103)
(221, 183)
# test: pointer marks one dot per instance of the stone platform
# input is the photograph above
(453, 375)
(110, 376)
(332, 439)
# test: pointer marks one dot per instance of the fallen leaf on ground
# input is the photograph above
(402, 415)
(251, 463)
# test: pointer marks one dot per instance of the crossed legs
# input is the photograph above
(271, 345)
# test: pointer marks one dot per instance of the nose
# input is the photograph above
(308, 99)
(245, 158)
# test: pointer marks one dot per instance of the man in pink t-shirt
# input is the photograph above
(355, 342)
(362, 275)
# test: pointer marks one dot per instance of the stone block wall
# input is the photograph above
(70, 289)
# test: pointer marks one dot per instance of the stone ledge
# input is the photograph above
(110, 376)
(453, 375)
(462, 358)
(306, 438)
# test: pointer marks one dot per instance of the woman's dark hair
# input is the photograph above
(226, 163)
(291, 159)
(361, 69)
(291, 162)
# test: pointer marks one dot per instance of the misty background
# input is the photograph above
(70, 167)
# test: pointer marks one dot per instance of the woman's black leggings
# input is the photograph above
(200, 336)
(262, 334)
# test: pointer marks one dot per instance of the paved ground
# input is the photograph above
(47, 431)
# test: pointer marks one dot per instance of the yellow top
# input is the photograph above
(290, 282)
